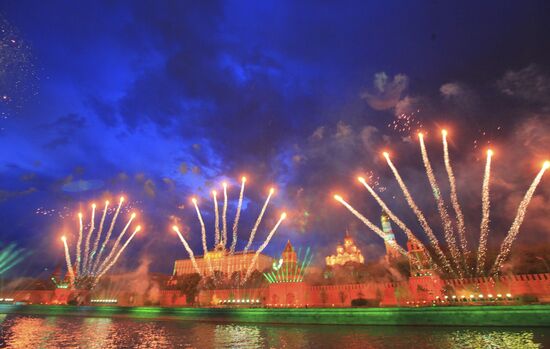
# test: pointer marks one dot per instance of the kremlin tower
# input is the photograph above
(289, 257)
(389, 239)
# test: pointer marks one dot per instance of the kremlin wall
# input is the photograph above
(286, 284)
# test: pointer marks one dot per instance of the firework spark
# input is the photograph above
(216, 218)
(421, 219)
(98, 237)
(369, 224)
(88, 237)
(220, 250)
(109, 233)
(113, 262)
(394, 218)
(203, 233)
(461, 227)
(79, 243)
(484, 228)
(94, 267)
(518, 220)
(258, 220)
(224, 215)
(447, 224)
(188, 249)
(263, 246)
(237, 216)
(68, 260)
(117, 242)
(485, 208)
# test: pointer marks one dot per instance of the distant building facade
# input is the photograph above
(220, 260)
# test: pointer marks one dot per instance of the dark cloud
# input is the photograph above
(6, 195)
(65, 129)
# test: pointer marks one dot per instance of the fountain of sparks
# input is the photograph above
(218, 261)
(90, 265)
(452, 228)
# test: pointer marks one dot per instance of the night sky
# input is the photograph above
(163, 100)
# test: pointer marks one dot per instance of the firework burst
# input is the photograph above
(89, 268)
(221, 235)
(441, 262)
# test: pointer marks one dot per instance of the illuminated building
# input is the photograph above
(346, 253)
(289, 268)
(389, 239)
(221, 260)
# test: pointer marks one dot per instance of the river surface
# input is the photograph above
(24, 331)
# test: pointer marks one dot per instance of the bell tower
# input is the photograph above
(389, 238)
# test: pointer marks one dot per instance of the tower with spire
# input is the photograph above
(289, 257)
(389, 239)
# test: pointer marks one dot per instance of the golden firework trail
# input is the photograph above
(203, 235)
(237, 216)
(110, 265)
(445, 219)
(188, 249)
(98, 237)
(263, 246)
(461, 227)
(258, 220)
(117, 242)
(88, 237)
(109, 233)
(485, 208)
(518, 220)
(369, 224)
(94, 267)
(420, 216)
(396, 220)
(68, 261)
(79, 243)
(216, 219)
(224, 215)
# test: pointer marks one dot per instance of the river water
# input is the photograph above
(18, 331)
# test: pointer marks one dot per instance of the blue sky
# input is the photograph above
(164, 100)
